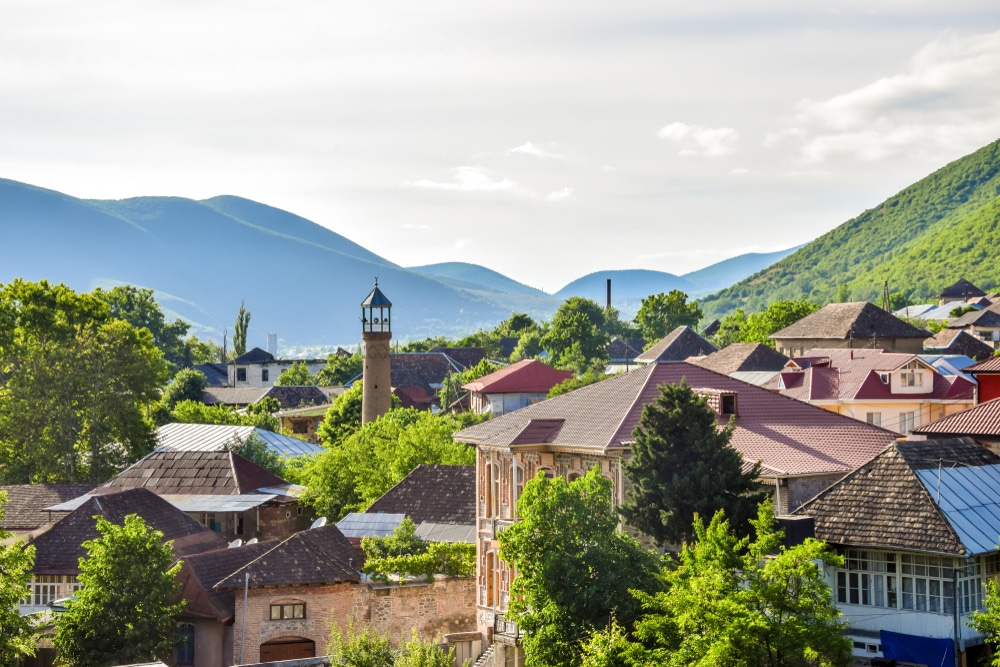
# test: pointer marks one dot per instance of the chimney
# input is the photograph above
(609, 292)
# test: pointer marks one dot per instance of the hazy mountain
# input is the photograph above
(728, 271)
(463, 275)
(942, 228)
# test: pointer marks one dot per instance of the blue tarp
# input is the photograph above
(922, 650)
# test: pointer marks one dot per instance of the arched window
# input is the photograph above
(185, 649)
(573, 476)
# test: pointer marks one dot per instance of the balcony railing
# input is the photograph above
(504, 630)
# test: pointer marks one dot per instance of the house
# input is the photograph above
(24, 511)
(987, 374)
(980, 422)
(624, 350)
(678, 345)
(750, 362)
(206, 624)
(176, 437)
(216, 375)
(440, 500)
(259, 368)
(958, 341)
(466, 357)
(711, 328)
(303, 422)
(849, 325)
(416, 377)
(802, 450)
(59, 549)
(890, 389)
(962, 290)
(310, 585)
(513, 387)
(917, 526)
(287, 396)
(221, 490)
(983, 324)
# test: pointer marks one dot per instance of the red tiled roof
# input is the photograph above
(26, 503)
(526, 376)
(991, 365)
(789, 437)
(982, 419)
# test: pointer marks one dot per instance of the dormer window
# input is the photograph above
(884, 377)
(912, 379)
(728, 404)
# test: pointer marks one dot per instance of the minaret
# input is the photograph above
(376, 332)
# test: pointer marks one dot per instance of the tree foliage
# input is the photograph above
(260, 414)
(296, 376)
(451, 389)
(682, 465)
(420, 653)
(368, 648)
(739, 327)
(575, 568)
(255, 449)
(17, 632)
(355, 471)
(987, 621)
(240, 329)
(74, 386)
(575, 339)
(343, 417)
(661, 313)
(138, 307)
(340, 369)
(187, 385)
(573, 383)
(123, 614)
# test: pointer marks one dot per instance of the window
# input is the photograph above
(298, 511)
(241, 375)
(875, 418)
(185, 649)
(928, 583)
(300, 426)
(884, 377)
(46, 588)
(288, 610)
(912, 379)
(264, 375)
(868, 578)
(906, 422)
(729, 404)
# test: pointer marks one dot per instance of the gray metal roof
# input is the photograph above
(190, 503)
(176, 437)
(969, 498)
(359, 524)
(446, 532)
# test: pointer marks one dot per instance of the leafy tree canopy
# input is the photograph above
(255, 450)
(123, 614)
(661, 313)
(187, 385)
(17, 632)
(575, 568)
(987, 621)
(260, 414)
(451, 388)
(296, 376)
(682, 465)
(739, 327)
(138, 307)
(240, 329)
(575, 338)
(588, 377)
(76, 384)
(340, 369)
(516, 325)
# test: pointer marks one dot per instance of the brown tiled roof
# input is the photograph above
(59, 549)
(743, 357)
(232, 395)
(622, 349)
(189, 472)
(26, 502)
(858, 320)
(979, 420)
(962, 289)
(296, 396)
(991, 365)
(433, 493)
(789, 437)
(315, 556)
(979, 318)
(201, 572)
(678, 345)
(883, 503)
(711, 328)
(525, 376)
(412, 370)
(958, 341)
(466, 357)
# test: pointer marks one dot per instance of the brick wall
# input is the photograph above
(443, 607)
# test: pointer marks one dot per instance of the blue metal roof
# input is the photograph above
(969, 498)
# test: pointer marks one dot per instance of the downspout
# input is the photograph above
(958, 626)
(243, 630)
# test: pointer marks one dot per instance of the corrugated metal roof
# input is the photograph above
(969, 498)
(359, 524)
(190, 502)
(446, 532)
(176, 437)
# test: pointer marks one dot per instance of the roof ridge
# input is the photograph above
(635, 399)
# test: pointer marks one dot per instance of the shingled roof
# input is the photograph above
(743, 358)
(884, 504)
(296, 396)
(678, 345)
(525, 376)
(58, 550)
(432, 493)
(958, 341)
(858, 320)
(979, 318)
(315, 556)
(201, 572)
(417, 376)
(466, 357)
(979, 420)
(26, 503)
(201, 473)
(962, 289)
(789, 437)
(254, 356)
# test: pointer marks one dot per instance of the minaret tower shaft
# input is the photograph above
(376, 333)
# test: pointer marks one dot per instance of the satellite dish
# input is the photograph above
(319, 523)
(236, 543)
(252, 540)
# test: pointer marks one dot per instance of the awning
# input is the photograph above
(921, 650)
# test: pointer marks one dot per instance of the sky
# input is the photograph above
(544, 140)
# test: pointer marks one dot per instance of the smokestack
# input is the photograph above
(609, 292)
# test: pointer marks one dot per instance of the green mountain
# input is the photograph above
(942, 228)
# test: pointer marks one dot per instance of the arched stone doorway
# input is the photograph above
(287, 648)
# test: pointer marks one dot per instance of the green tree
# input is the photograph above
(187, 385)
(682, 465)
(296, 376)
(199, 351)
(340, 369)
(529, 346)
(733, 602)
(17, 632)
(575, 337)
(451, 389)
(739, 327)
(661, 313)
(573, 383)
(987, 621)
(489, 340)
(367, 648)
(258, 414)
(123, 614)
(343, 417)
(240, 331)
(420, 653)
(256, 450)
(612, 647)
(138, 307)
(76, 385)
(574, 567)
(516, 325)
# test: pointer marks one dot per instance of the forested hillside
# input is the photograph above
(921, 240)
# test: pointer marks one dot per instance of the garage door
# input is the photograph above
(287, 650)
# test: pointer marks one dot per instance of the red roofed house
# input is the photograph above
(890, 389)
(987, 374)
(514, 387)
(803, 450)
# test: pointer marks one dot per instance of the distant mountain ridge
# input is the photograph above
(944, 227)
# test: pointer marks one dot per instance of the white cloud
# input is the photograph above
(465, 179)
(948, 99)
(700, 140)
(419, 228)
(529, 148)
(739, 171)
(559, 195)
